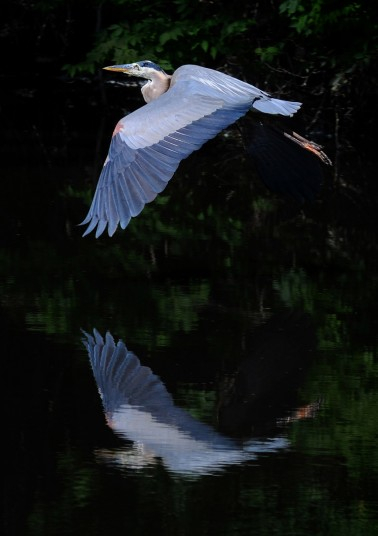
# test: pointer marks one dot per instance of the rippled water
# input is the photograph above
(230, 385)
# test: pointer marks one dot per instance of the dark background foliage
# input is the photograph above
(323, 54)
(321, 49)
(211, 258)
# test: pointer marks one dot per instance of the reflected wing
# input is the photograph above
(148, 145)
(139, 408)
(120, 377)
(123, 382)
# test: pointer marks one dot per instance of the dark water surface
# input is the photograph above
(250, 405)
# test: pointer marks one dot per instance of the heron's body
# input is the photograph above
(183, 111)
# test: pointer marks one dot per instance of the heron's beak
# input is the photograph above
(119, 68)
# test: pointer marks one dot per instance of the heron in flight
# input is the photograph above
(182, 112)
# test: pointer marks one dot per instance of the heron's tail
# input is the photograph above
(275, 106)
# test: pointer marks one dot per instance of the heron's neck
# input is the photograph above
(155, 87)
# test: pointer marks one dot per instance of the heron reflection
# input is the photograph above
(139, 408)
(182, 112)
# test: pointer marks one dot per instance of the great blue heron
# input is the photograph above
(254, 402)
(183, 111)
(139, 408)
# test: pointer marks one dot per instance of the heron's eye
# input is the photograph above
(136, 66)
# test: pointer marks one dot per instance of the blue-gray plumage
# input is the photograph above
(183, 111)
(139, 408)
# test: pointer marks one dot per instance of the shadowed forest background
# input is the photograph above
(209, 262)
(323, 54)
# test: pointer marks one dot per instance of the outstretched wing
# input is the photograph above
(148, 145)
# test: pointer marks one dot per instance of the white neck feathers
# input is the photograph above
(156, 86)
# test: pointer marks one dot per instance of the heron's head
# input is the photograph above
(142, 69)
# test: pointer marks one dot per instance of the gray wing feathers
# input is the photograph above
(151, 142)
(236, 90)
(131, 178)
(120, 377)
(276, 106)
